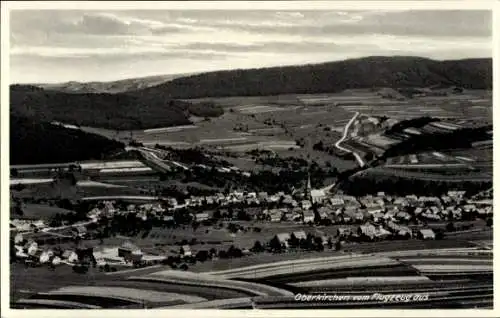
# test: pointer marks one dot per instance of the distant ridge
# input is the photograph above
(112, 87)
(368, 72)
(161, 105)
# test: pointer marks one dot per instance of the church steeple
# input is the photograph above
(307, 190)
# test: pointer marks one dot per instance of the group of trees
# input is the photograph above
(460, 138)
(33, 141)
(411, 123)
(365, 184)
(309, 79)
(123, 111)
(309, 243)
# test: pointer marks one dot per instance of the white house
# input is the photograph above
(283, 239)
(427, 234)
(308, 216)
(306, 204)
(317, 196)
(200, 217)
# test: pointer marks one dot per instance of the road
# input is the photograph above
(150, 158)
(344, 136)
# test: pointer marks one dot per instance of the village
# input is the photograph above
(117, 234)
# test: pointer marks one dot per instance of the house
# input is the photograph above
(403, 216)
(39, 224)
(18, 239)
(168, 218)
(325, 239)
(288, 216)
(375, 209)
(426, 234)
(398, 229)
(308, 216)
(469, 207)
(317, 196)
(353, 215)
(172, 202)
(252, 195)
(186, 250)
(343, 232)
(381, 194)
(336, 202)
(129, 251)
(283, 239)
(79, 231)
(401, 202)
(31, 247)
(275, 215)
(300, 235)
(200, 217)
(324, 212)
(378, 216)
(70, 256)
(372, 231)
(446, 199)
(262, 195)
(287, 199)
(456, 195)
(411, 198)
(274, 198)
(306, 204)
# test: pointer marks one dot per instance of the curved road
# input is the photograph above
(344, 136)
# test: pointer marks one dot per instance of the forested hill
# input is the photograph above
(34, 142)
(114, 111)
(395, 72)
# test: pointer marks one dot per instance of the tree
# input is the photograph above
(275, 244)
(489, 222)
(202, 256)
(213, 252)
(293, 241)
(257, 247)
(450, 227)
(330, 243)
(195, 225)
(318, 243)
(217, 215)
(338, 245)
(318, 146)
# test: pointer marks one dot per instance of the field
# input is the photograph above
(394, 267)
(39, 211)
(276, 123)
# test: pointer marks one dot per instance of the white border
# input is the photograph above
(224, 5)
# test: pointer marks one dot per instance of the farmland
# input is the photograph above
(292, 124)
(414, 272)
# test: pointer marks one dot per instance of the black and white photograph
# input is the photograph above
(275, 157)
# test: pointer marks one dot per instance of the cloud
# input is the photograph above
(115, 53)
(52, 42)
(269, 47)
(403, 23)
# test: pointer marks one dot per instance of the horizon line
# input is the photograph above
(236, 69)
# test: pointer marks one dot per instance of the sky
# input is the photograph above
(51, 46)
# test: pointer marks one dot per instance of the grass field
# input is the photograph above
(40, 211)
(278, 123)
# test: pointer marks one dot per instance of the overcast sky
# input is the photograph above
(58, 46)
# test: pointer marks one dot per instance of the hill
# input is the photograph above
(112, 87)
(376, 71)
(34, 142)
(113, 111)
